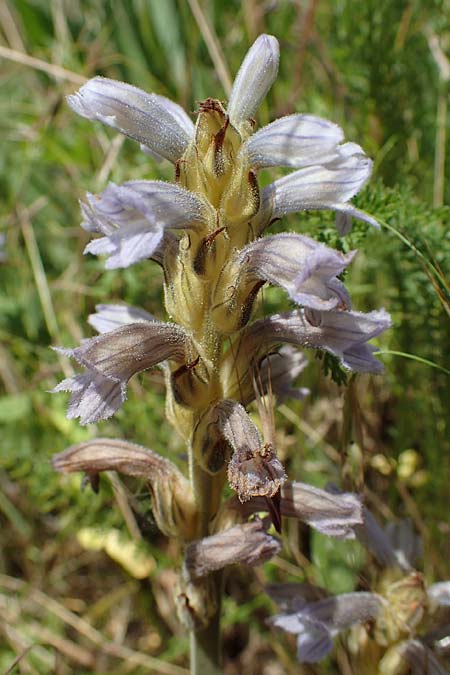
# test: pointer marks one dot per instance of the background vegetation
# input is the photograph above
(85, 579)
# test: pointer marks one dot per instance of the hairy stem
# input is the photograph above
(206, 643)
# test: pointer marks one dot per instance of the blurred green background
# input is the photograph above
(70, 599)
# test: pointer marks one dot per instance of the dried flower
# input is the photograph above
(248, 544)
(172, 497)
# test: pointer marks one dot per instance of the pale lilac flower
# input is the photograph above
(133, 217)
(306, 269)
(330, 173)
(157, 123)
(294, 141)
(256, 75)
(342, 333)
(318, 186)
(111, 359)
(317, 623)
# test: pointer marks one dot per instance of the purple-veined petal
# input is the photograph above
(109, 454)
(295, 141)
(343, 155)
(328, 185)
(134, 217)
(335, 515)
(342, 333)
(94, 397)
(247, 544)
(254, 79)
(278, 371)
(111, 359)
(158, 123)
(316, 623)
(166, 202)
(131, 349)
(315, 187)
(306, 269)
(109, 317)
(330, 514)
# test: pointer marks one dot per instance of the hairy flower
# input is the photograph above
(134, 216)
(329, 172)
(247, 544)
(335, 515)
(342, 333)
(156, 122)
(317, 623)
(111, 359)
(304, 268)
(205, 231)
(172, 498)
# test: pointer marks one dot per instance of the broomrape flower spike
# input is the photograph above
(205, 231)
